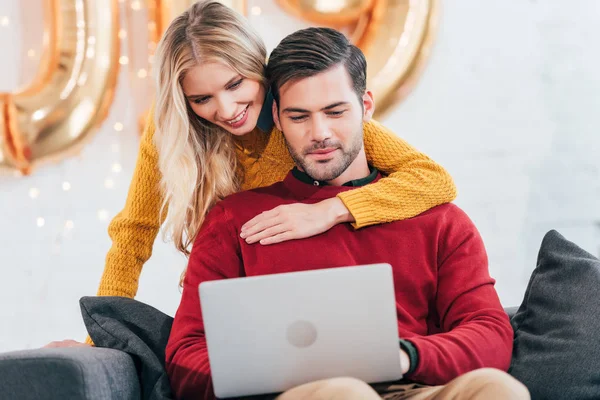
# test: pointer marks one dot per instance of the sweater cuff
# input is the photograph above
(413, 355)
(360, 208)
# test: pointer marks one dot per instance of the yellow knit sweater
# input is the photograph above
(414, 185)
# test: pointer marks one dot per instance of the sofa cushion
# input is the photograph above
(557, 327)
(136, 328)
(68, 373)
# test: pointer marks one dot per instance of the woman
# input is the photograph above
(211, 134)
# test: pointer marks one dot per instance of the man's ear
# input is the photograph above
(368, 106)
(276, 116)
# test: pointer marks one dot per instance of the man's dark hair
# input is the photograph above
(310, 51)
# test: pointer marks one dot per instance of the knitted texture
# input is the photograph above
(414, 185)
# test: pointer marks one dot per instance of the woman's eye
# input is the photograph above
(202, 100)
(235, 85)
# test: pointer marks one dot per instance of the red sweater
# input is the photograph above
(446, 303)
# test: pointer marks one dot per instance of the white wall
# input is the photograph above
(508, 103)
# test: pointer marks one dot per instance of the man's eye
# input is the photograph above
(298, 118)
(336, 113)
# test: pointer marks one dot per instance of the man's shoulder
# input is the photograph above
(446, 211)
(253, 198)
(444, 218)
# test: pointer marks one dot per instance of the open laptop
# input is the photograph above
(267, 334)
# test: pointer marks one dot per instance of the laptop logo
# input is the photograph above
(301, 334)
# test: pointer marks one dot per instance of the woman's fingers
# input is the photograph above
(280, 237)
(266, 233)
(261, 218)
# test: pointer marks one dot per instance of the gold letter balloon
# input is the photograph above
(57, 113)
(72, 92)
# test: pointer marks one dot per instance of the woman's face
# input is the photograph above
(222, 96)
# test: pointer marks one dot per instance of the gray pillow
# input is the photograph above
(557, 327)
(136, 328)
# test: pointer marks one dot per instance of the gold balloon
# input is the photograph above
(399, 48)
(58, 112)
(331, 13)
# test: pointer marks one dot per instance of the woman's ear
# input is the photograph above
(276, 116)
(368, 106)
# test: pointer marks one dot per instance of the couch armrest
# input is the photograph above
(511, 311)
(68, 373)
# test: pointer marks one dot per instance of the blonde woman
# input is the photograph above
(212, 134)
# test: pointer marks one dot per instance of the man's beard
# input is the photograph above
(330, 169)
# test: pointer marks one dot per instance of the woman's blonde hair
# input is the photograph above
(197, 159)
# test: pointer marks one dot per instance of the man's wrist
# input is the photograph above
(412, 353)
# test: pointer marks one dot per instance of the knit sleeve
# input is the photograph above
(414, 184)
(134, 229)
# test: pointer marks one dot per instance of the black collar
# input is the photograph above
(304, 177)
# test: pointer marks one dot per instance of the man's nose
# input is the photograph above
(320, 129)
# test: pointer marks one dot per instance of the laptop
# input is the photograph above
(270, 333)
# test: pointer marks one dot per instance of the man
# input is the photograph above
(456, 339)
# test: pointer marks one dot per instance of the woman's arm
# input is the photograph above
(134, 229)
(414, 184)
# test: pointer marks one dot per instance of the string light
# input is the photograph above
(102, 215)
(118, 127)
(123, 60)
(4, 21)
(66, 186)
(142, 73)
(31, 53)
(34, 193)
(109, 183)
(41, 222)
(116, 168)
(256, 10)
(135, 5)
(69, 224)
(122, 34)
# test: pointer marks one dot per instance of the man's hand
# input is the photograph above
(295, 221)
(66, 343)
(404, 362)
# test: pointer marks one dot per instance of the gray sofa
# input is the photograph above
(68, 373)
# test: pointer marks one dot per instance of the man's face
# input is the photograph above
(321, 118)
